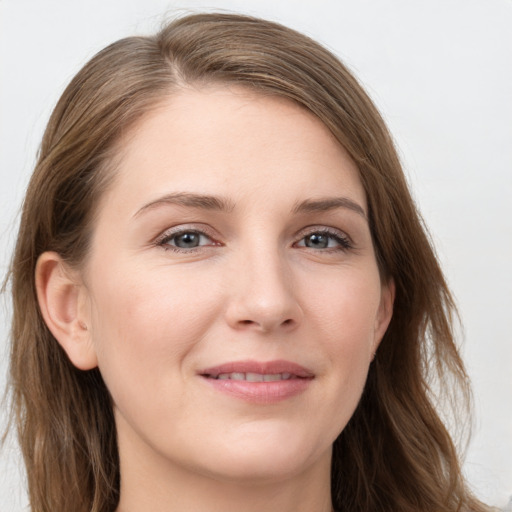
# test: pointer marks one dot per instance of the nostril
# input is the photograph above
(284, 323)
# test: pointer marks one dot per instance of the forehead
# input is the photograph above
(231, 141)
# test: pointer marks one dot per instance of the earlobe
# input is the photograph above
(61, 298)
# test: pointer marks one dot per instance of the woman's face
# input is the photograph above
(233, 297)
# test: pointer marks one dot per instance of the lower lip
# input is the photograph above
(260, 392)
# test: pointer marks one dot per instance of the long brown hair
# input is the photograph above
(395, 454)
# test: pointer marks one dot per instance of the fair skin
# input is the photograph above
(234, 242)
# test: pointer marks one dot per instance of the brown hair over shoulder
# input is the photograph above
(395, 454)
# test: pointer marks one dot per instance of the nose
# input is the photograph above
(263, 295)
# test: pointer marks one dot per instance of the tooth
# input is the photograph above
(253, 377)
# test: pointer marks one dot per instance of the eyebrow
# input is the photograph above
(204, 202)
(327, 204)
(215, 203)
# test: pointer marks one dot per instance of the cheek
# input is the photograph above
(345, 315)
(145, 325)
(345, 306)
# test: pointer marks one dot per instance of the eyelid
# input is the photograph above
(343, 238)
(200, 229)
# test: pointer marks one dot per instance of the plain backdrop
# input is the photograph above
(441, 73)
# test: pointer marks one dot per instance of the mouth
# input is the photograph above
(255, 371)
(254, 377)
(259, 382)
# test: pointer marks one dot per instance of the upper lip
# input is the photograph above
(261, 367)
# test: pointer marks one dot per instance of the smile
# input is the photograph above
(259, 382)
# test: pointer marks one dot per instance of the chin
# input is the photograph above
(262, 459)
(258, 470)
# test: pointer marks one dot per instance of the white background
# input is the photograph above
(441, 73)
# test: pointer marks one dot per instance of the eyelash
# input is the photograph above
(163, 241)
(343, 241)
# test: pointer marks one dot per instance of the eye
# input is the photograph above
(185, 240)
(325, 239)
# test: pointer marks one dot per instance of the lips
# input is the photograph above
(259, 382)
(280, 367)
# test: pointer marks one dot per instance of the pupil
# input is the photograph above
(317, 240)
(187, 240)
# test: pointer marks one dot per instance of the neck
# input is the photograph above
(216, 496)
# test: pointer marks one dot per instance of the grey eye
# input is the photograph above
(324, 240)
(317, 241)
(187, 240)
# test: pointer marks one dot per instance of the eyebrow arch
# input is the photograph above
(329, 203)
(189, 200)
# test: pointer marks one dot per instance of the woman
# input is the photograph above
(224, 298)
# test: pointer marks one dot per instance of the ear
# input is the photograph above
(62, 299)
(384, 313)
